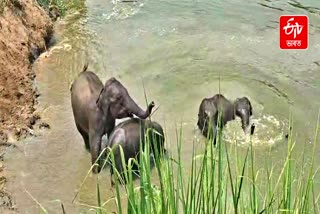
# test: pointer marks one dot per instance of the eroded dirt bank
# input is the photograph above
(25, 31)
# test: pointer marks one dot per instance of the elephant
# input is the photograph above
(129, 134)
(209, 111)
(96, 107)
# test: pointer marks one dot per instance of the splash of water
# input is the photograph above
(268, 131)
(123, 10)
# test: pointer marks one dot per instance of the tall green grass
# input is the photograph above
(3, 3)
(215, 184)
(62, 5)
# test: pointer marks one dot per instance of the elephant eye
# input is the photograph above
(118, 97)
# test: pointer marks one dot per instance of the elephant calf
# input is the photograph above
(96, 106)
(128, 135)
(211, 107)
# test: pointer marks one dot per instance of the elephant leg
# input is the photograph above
(119, 169)
(95, 142)
(86, 140)
(84, 136)
(111, 177)
(204, 128)
(214, 133)
(215, 140)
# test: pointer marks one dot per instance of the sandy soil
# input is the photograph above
(25, 31)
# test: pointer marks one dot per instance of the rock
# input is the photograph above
(5, 200)
(33, 119)
(44, 125)
(3, 137)
(54, 12)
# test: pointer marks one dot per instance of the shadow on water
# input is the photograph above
(281, 6)
(297, 4)
(178, 49)
(271, 7)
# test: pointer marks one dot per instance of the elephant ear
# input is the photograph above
(111, 87)
(250, 106)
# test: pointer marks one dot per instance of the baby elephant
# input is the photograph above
(209, 111)
(96, 106)
(128, 134)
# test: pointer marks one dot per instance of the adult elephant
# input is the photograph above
(129, 134)
(211, 107)
(96, 106)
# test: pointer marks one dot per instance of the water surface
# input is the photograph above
(179, 50)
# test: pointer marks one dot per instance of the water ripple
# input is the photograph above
(271, 7)
(309, 9)
(123, 10)
(275, 89)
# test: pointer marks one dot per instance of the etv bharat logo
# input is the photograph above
(293, 32)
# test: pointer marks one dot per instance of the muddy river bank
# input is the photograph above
(25, 31)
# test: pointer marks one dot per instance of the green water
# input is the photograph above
(177, 50)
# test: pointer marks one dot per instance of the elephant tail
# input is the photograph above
(70, 88)
(85, 67)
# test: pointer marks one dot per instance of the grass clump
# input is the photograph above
(3, 4)
(215, 184)
(61, 5)
(218, 181)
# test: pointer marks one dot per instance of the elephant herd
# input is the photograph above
(96, 107)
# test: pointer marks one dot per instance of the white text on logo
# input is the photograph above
(295, 29)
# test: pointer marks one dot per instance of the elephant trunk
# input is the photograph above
(245, 120)
(244, 111)
(136, 110)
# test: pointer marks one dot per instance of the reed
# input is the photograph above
(214, 184)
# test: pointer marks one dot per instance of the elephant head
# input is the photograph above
(243, 109)
(114, 99)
